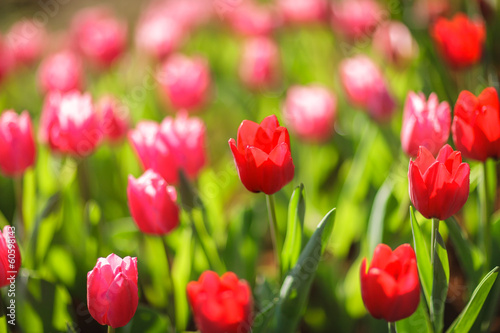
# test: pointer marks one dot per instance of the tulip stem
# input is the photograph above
(485, 207)
(171, 296)
(83, 179)
(275, 234)
(18, 191)
(435, 231)
(111, 329)
(392, 327)
(207, 244)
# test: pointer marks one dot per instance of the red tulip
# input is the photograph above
(112, 295)
(390, 288)
(425, 123)
(221, 304)
(356, 19)
(263, 156)
(303, 11)
(114, 118)
(62, 72)
(26, 39)
(476, 125)
(259, 66)
(10, 256)
(310, 111)
(439, 187)
(152, 203)
(460, 41)
(17, 146)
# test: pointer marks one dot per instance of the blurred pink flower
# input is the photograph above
(190, 14)
(303, 11)
(185, 81)
(425, 12)
(366, 87)
(99, 35)
(10, 255)
(17, 146)
(260, 62)
(251, 19)
(356, 19)
(7, 62)
(26, 39)
(114, 118)
(62, 71)
(69, 124)
(425, 123)
(394, 41)
(310, 112)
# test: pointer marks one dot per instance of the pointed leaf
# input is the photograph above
(294, 232)
(377, 216)
(440, 280)
(423, 259)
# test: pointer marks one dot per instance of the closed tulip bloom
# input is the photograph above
(460, 41)
(259, 66)
(143, 141)
(9, 264)
(99, 36)
(439, 187)
(114, 118)
(390, 287)
(476, 125)
(112, 295)
(425, 123)
(262, 155)
(70, 124)
(62, 72)
(251, 19)
(152, 203)
(190, 14)
(159, 35)
(303, 11)
(26, 39)
(394, 41)
(355, 19)
(17, 146)
(221, 305)
(185, 81)
(310, 111)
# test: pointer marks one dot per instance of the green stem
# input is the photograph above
(83, 179)
(275, 234)
(170, 292)
(18, 192)
(392, 327)
(207, 244)
(434, 233)
(437, 302)
(111, 329)
(485, 234)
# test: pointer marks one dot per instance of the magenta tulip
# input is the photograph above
(10, 256)
(62, 72)
(355, 19)
(259, 66)
(114, 118)
(26, 39)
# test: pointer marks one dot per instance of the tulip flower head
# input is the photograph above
(476, 125)
(394, 41)
(9, 265)
(17, 146)
(303, 11)
(439, 187)
(114, 118)
(259, 67)
(221, 304)
(252, 19)
(390, 287)
(112, 294)
(460, 41)
(26, 39)
(355, 19)
(262, 155)
(62, 72)
(425, 123)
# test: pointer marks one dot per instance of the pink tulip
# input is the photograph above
(310, 111)
(7, 62)
(112, 294)
(190, 14)
(62, 72)
(425, 123)
(394, 41)
(99, 36)
(10, 256)
(425, 12)
(356, 19)
(26, 39)
(17, 146)
(303, 11)
(152, 203)
(250, 19)
(114, 118)
(185, 81)
(143, 141)
(366, 87)
(69, 124)
(259, 66)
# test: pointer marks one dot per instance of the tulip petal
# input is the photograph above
(123, 296)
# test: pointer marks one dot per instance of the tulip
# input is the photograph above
(439, 187)
(7, 63)
(394, 41)
(221, 304)
(62, 72)
(310, 111)
(69, 124)
(159, 35)
(476, 125)
(366, 87)
(152, 203)
(426, 12)
(112, 295)
(303, 11)
(114, 118)
(355, 19)
(190, 14)
(251, 19)
(185, 81)
(17, 146)
(390, 287)
(262, 155)
(99, 36)
(259, 66)
(10, 256)
(425, 123)
(26, 39)
(143, 141)
(460, 41)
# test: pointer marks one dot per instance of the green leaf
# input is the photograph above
(417, 322)
(440, 280)
(377, 216)
(147, 320)
(294, 231)
(295, 288)
(423, 258)
(466, 319)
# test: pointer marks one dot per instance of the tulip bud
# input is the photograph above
(143, 141)
(355, 19)
(152, 203)
(11, 256)
(112, 295)
(62, 72)
(476, 125)
(310, 111)
(17, 146)
(114, 118)
(251, 19)
(460, 41)
(26, 39)
(439, 187)
(221, 304)
(185, 81)
(425, 123)
(303, 11)
(259, 66)
(390, 287)
(190, 14)
(394, 41)
(262, 155)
